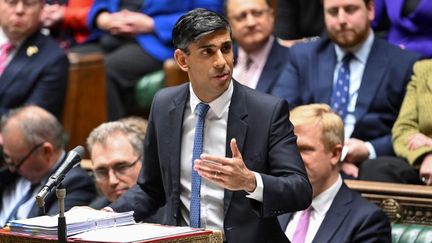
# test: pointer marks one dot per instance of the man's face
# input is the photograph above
(348, 21)
(117, 166)
(27, 160)
(20, 18)
(209, 64)
(320, 163)
(252, 22)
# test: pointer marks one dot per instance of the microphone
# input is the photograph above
(72, 159)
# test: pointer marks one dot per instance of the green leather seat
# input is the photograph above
(411, 233)
(147, 87)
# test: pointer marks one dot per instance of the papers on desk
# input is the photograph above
(137, 232)
(78, 220)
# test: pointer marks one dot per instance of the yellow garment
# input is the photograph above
(416, 112)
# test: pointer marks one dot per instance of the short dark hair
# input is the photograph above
(196, 24)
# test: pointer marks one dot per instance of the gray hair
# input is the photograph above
(37, 126)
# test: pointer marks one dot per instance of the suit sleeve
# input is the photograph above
(286, 186)
(288, 85)
(374, 228)
(408, 122)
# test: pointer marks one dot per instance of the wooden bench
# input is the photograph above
(85, 101)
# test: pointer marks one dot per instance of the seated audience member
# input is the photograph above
(360, 76)
(407, 23)
(118, 147)
(412, 131)
(33, 69)
(67, 21)
(337, 214)
(136, 38)
(260, 58)
(248, 169)
(298, 20)
(33, 142)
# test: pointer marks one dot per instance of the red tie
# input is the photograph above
(5, 50)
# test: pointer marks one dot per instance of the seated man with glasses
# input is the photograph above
(33, 148)
(116, 150)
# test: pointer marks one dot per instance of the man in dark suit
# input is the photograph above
(34, 69)
(337, 214)
(378, 75)
(259, 56)
(33, 149)
(250, 169)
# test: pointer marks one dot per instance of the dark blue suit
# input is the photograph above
(37, 74)
(267, 143)
(308, 78)
(276, 60)
(80, 190)
(350, 218)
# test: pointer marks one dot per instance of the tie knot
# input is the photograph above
(201, 109)
(348, 57)
(7, 47)
(248, 63)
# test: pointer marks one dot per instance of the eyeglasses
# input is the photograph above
(119, 169)
(257, 13)
(15, 166)
(26, 3)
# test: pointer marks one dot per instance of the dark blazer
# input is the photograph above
(37, 74)
(80, 190)
(350, 218)
(276, 60)
(266, 140)
(308, 78)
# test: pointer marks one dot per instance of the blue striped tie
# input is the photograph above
(340, 95)
(195, 204)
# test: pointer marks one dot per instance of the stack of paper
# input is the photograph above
(78, 220)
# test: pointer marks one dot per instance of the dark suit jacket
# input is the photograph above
(266, 140)
(350, 218)
(80, 190)
(37, 74)
(308, 78)
(277, 58)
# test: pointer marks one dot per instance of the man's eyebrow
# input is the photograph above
(213, 45)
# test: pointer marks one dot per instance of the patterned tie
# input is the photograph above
(5, 49)
(302, 226)
(340, 96)
(195, 204)
(13, 215)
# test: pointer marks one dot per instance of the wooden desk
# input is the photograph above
(205, 236)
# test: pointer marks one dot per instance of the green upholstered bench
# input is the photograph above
(147, 87)
(411, 233)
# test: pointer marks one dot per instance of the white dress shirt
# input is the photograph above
(320, 205)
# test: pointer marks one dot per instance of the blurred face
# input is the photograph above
(20, 18)
(209, 64)
(348, 21)
(30, 161)
(251, 21)
(321, 164)
(116, 166)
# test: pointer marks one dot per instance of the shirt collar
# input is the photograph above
(361, 53)
(323, 201)
(218, 106)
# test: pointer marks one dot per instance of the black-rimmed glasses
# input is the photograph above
(119, 169)
(15, 166)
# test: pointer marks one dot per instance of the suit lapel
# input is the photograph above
(18, 62)
(375, 68)
(284, 219)
(236, 128)
(335, 215)
(174, 136)
(324, 80)
(275, 60)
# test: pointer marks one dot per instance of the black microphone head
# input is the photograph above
(79, 150)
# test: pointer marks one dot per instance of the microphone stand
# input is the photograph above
(61, 226)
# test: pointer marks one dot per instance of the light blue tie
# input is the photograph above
(340, 95)
(195, 204)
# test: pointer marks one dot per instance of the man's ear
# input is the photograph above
(180, 58)
(336, 154)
